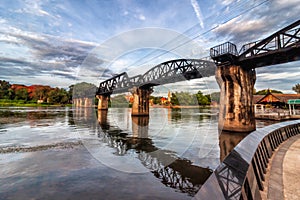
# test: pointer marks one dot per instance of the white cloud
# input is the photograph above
(258, 20)
(125, 13)
(197, 10)
(227, 2)
(277, 76)
(142, 17)
(241, 27)
(2, 21)
(40, 55)
(43, 12)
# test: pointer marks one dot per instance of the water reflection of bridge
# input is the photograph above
(173, 171)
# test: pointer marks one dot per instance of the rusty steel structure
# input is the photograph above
(167, 72)
(280, 47)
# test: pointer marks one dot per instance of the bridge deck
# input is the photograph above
(283, 175)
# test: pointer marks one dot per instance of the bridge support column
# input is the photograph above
(102, 117)
(80, 102)
(227, 142)
(74, 102)
(140, 126)
(140, 104)
(102, 102)
(88, 102)
(236, 105)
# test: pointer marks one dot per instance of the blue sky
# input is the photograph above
(59, 43)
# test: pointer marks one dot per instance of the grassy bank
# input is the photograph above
(182, 106)
(23, 103)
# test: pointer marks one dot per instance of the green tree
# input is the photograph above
(21, 94)
(156, 100)
(203, 99)
(4, 87)
(40, 93)
(58, 95)
(11, 94)
(119, 101)
(70, 92)
(296, 88)
(183, 98)
(215, 96)
(174, 99)
(266, 91)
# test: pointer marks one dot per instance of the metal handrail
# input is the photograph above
(241, 174)
(222, 49)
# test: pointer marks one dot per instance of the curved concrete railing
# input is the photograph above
(242, 172)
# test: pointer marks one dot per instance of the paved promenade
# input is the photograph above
(283, 174)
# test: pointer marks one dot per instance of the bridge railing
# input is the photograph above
(241, 174)
(222, 49)
(283, 38)
(245, 47)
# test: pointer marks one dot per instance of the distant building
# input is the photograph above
(274, 99)
(129, 98)
(40, 101)
(169, 96)
(163, 100)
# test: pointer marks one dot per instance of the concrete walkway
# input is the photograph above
(283, 175)
(291, 172)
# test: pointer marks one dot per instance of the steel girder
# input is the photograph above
(282, 39)
(116, 83)
(177, 70)
(280, 47)
(164, 73)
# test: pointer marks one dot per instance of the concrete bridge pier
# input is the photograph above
(74, 102)
(103, 102)
(236, 106)
(140, 126)
(140, 104)
(227, 142)
(88, 102)
(80, 102)
(102, 117)
(77, 102)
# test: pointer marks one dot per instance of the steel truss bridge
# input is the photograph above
(168, 72)
(280, 47)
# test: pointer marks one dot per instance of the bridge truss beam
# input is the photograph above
(280, 47)
(164, 73)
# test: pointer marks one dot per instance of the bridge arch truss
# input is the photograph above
(167, 72)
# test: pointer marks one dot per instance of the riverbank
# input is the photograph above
(180, 106)
(23, 103)
(276, 117)
(277, 114)
(61, 145)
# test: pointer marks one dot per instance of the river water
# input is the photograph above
(67, 153)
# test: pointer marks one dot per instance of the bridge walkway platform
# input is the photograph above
(283, 174)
